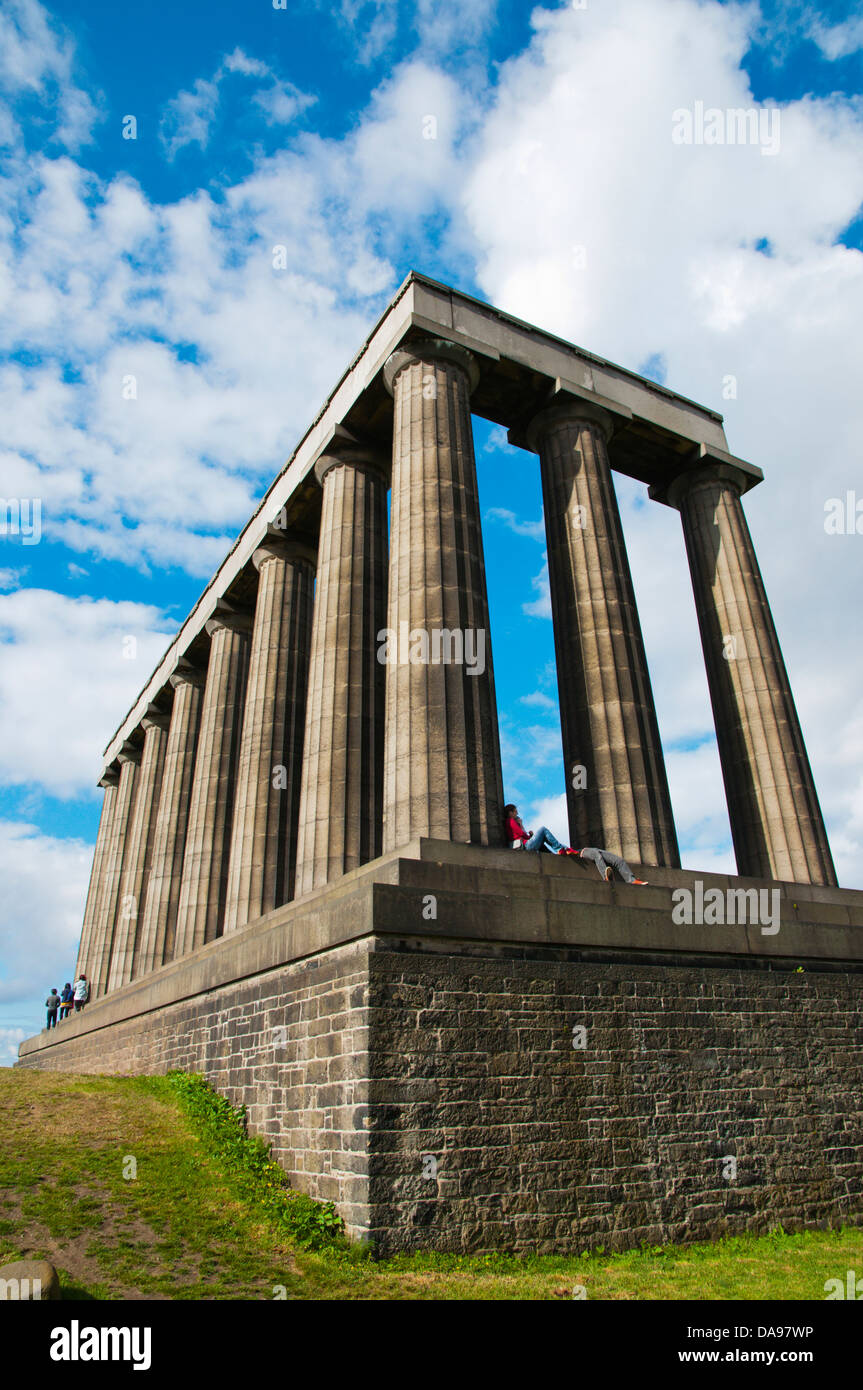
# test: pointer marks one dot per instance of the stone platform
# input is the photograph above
(469, 1048)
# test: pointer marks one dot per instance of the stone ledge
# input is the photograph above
(490, 896)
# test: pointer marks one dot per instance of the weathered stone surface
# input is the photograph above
(29, 1280)
(364, 1037)
(270, 756)
(776, 821)
(163, 891)
(139, 850)
(103, 932)
(442, 773)
(616, 787)
(92, 919)
(341, 811)
(203, 888)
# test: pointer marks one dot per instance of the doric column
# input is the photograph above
(208, 838)
(617, 790)
(139, 848)
(776, 821)
(86, 950)
(163, 891)
(129, 759)
(341, 804)
(442, 774)
(266, 806)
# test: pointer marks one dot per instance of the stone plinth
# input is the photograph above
(578, 1063)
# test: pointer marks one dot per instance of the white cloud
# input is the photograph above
(282, 102)
(441, 28)
(189, 117)
(540, 607)
(538, 698)
(838, 40)
(534, 529)
(38, 59)
(9, 1040)
(66, 681)
(44, 887)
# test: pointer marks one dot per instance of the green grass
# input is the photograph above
(209, 1216)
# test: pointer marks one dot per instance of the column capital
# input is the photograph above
(129, 754)
(185, 673)
(233, 622)
(706, 465)
(287, 547)
(369, 459)
(155, 719)
(431, 350)
(566, 407)
(110, 777)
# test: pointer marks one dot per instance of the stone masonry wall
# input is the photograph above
(544, 1146)
(396, 1052)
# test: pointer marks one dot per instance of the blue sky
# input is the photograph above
(552, 188)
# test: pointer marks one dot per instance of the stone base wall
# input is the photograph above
(540, 1145)
(422, 1073)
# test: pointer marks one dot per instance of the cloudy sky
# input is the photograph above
(156, 368)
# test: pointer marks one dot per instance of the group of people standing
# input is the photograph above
(606, 862)
(74, 996)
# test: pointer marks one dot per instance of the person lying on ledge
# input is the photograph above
(606, 863)
(520, 838)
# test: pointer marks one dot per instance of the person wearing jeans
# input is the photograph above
(52, 1004)
(526, 839)
(606, 863)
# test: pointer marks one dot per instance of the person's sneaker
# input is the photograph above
(642, 882)
(563, 851)
(609, 874)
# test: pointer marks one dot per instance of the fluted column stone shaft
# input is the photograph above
(442, 772)
(617, 789)
(266, 806)
(129, 759)
(86, 948)
(139, 849)
(159, 920)
(203, 888)
(776, 821)
(341, 809)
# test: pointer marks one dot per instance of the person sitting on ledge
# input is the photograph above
(606, 863)
(520, 838)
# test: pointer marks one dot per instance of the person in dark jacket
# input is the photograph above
(52, 1004)
(520, 838)
(66, 1000)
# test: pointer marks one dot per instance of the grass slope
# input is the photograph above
(146, 1187)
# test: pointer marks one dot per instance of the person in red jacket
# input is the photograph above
(520, 838)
